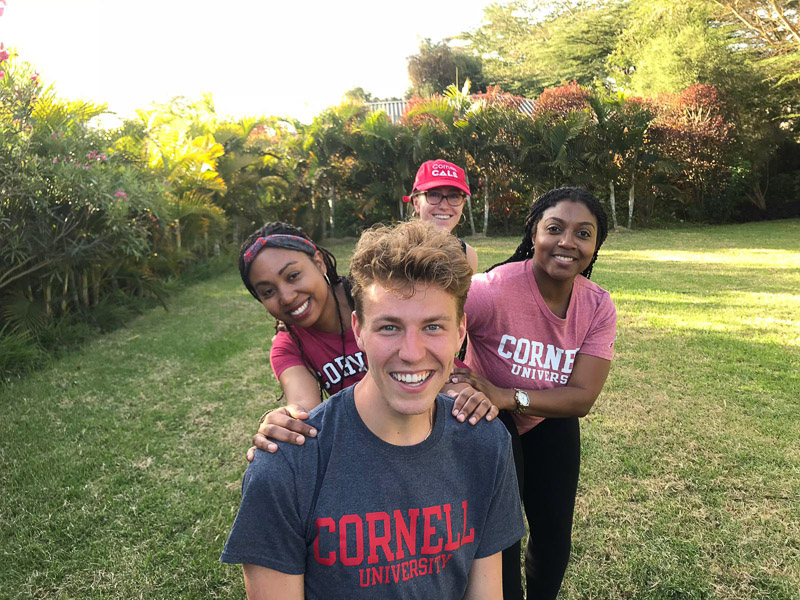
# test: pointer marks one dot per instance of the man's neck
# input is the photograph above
(392, 427)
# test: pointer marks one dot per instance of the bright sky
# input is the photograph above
(257, 57)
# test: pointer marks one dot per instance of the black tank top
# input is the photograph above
(463, 245)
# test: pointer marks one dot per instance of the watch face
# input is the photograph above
(523, 399)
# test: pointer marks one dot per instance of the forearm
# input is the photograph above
(566, 401)
(572, 400)
(265, 584)
(307, 402)
(300, 388)
(485, 579)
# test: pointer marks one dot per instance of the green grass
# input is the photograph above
(120, 463)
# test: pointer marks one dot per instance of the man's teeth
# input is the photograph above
(411, 377)
(300, 309)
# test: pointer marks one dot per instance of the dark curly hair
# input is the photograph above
(333, 279)
(525, 250)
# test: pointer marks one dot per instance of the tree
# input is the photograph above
(329, 143)
(359, 94)
(530, 46)
(692, 131)
(771, 25)
(383, 171)
(438, 66)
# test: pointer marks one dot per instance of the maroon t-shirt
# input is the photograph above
(324, 352)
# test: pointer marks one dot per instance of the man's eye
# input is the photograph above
(388, 328)
(433, 327)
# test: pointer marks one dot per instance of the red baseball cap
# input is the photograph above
(438, 173)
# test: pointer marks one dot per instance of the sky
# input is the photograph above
(289, 58)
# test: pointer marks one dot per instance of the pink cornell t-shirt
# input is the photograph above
(516, 341)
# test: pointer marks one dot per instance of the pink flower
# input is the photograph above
(2, 74)
(3, 54)
(35, 77)
(121, 194)
(55, 159)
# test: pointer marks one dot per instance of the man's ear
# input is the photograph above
(462, 330)
(357, 330)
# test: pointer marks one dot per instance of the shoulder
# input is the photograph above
(282, 340)
(472, 256)
(335, 417)
(509, 274)
(594, 292)
(508, 271)
(489, 438)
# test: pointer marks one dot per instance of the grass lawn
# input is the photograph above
(120, 465)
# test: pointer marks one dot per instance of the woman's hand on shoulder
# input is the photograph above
(498, 395)
(284, 424)
(470, 404)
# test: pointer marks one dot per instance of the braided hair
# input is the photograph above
(332, 277)
(525, 250)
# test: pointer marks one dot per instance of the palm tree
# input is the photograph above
(385, 159)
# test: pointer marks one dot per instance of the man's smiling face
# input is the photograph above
(410, 342)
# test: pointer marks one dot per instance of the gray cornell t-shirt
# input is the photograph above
(361, 518)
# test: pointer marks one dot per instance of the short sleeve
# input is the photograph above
(284, 353)
(270, 529)
(602, 331)
(504, 524)
(478, 307)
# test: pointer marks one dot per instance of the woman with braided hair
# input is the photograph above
(297, 283)
(314, 351)
(541, 339)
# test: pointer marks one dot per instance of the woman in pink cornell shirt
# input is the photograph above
(541, 339)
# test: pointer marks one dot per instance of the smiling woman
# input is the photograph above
(541, 339)
(296, 281)
(440, 189)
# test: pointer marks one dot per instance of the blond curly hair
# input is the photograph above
(403, 256)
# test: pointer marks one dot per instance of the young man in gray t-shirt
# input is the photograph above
(392, 499)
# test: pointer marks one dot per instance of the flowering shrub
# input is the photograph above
(77, 221)
(561, 100)
(691, 129)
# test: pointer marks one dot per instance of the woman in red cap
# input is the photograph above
(440, 189)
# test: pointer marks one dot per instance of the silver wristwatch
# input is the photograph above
(522, 399)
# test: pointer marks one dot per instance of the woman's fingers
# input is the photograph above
(472, 405)
(251, 454)
(262, 443)
(284, 424)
